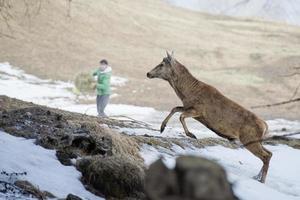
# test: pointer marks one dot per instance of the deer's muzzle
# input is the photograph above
(149, 75)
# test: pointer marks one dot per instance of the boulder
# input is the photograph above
(194, 178)
(115, 176)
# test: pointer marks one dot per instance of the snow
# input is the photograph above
(14, 82)
(287, 11)
(118, 81)
(283, 180)
(42, 167)
(282, 127)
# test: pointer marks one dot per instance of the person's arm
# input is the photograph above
(105, 83)
(95, 73)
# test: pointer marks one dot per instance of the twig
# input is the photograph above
(277, 104)
(296, 91)
(293, 74)
(274, 137)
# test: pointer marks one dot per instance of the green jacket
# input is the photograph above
(103, 81)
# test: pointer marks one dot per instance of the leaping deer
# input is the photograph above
(210, 107)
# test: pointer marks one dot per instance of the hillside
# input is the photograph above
(245, 59)
(274, 10)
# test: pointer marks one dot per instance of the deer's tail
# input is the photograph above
(266, 131)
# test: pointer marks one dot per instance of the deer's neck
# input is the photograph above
(185, 85)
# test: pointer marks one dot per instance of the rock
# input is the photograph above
(73, 197)
(161, 181)
(200, 178)
(193, 178)
(115, 176)
(65, 155)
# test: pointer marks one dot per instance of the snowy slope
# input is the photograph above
(277, 10)
(42, 167)
(282, 183)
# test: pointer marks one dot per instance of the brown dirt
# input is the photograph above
(244, 58)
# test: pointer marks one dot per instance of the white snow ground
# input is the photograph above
(283, 181)
(287, 11)
(42, 167)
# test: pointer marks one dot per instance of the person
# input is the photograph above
(103, 75)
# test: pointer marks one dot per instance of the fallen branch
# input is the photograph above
(274, 137)
(276, 104)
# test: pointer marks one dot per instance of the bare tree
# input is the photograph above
(32, 8)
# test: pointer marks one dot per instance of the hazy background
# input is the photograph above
(245, 57)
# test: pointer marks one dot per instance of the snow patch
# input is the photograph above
(42, 167)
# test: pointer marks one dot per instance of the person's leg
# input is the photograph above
(104, 99)
(98, 100)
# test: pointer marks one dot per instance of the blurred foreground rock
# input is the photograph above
(193, 178)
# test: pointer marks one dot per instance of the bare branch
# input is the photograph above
(293, 74)
(277, 104)
(68, 7)
(32, 8)
(295, 92)
(274, 137)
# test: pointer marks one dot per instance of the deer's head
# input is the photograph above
(164, 69)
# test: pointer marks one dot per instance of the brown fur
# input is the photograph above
(210, 107)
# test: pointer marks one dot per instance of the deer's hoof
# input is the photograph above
(259, 178)
(191, 135)
(162, 128)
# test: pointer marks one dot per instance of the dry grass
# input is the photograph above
(243, 58)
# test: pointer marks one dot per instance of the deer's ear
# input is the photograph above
(170, 57)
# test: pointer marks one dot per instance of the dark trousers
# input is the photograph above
(102, 101)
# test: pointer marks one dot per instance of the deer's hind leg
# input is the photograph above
(188, 113)
(263, 154)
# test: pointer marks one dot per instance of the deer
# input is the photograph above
(210, 107)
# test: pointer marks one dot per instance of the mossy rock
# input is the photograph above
(114, 176)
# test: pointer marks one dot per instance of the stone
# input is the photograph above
(115, 176)
(193, 178)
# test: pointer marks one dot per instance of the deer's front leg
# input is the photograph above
(173, 111)
(188, 113)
